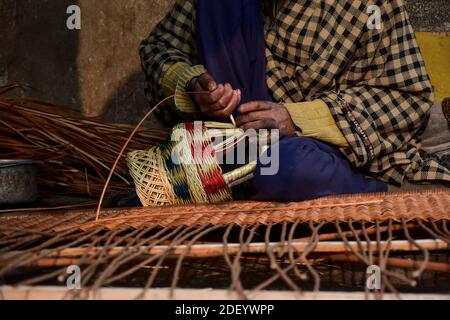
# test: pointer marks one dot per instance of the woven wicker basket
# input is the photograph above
(175, 174)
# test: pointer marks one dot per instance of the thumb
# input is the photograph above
(207, 82)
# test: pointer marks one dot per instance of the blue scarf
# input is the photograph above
(231, 45)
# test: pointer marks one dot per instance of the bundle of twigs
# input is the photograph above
(76, 153)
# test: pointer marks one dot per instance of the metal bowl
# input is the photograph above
(18, 181)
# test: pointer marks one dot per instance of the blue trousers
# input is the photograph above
(310, 169)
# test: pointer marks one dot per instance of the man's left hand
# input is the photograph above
(266, 115)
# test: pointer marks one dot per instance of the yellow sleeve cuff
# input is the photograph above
(174, 83)
(316, 121)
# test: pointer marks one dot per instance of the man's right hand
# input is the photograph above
(214, 100)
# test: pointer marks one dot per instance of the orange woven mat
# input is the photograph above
(428, 205)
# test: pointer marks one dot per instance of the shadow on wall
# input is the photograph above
(128, 103)
(111, 80)
(40, 51)
(95, 70)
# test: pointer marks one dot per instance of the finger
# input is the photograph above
(251, 117)
(207, 82)
(254, 106)
(217, 94)
(232, 105)
(223, 102)
(212, 97)
(259, 124)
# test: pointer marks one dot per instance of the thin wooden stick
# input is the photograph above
(397, 262)
(119, 156)
(212, 250)
(233, 121)
(74, 206)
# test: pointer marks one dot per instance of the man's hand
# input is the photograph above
(266, 115)
(214, 100)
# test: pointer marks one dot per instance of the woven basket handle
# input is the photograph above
(242, 174)
(239, 175)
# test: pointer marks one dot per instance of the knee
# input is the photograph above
(303, 160)
(302, 168)
(298, 157)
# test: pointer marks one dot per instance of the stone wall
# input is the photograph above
(97, 68)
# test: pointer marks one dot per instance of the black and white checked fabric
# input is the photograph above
(373, 80)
